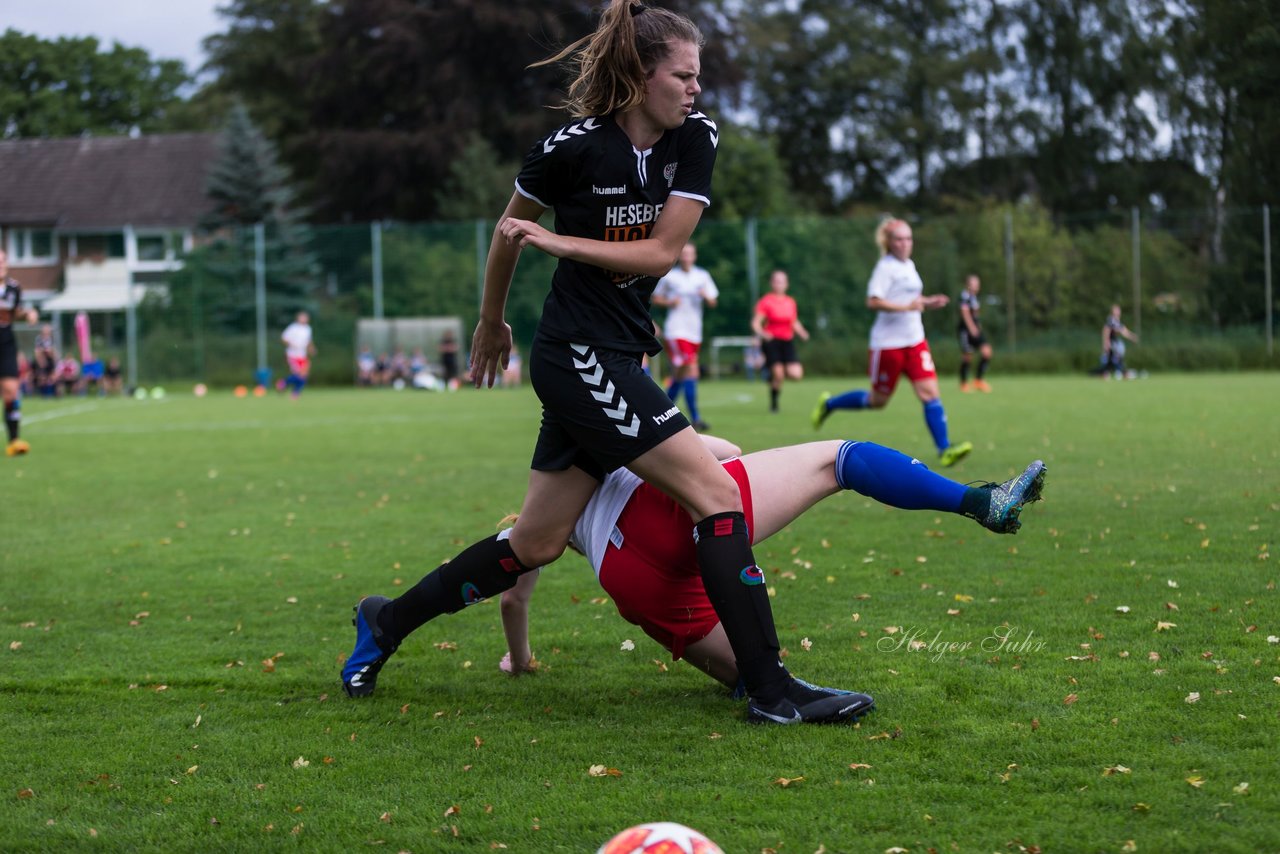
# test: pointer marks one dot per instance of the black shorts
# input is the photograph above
(969, 343)
(8, 353)
(599, 410)
(779, 352)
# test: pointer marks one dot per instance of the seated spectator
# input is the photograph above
(68, 376)
(91, 377)
(417, 362)
(44, 373)
(366, 367)
(382, 370)
(399, 366)
(112, 381)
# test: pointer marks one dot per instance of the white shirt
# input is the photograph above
(297, 339)
(684, 320)
(596, 527)
(896, 282)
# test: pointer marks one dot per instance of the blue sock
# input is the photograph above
(691, 395)
(936, 418)
(298, 383)
(893, 478)
(673, 390)
(850, 400)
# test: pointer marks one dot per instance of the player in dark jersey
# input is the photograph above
(628, 180)
(1114, 333)
(972, 337)
(11, 312)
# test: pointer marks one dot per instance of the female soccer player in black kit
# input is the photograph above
(11, 311)
(628, 180)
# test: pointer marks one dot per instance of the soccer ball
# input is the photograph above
(660, 837)
(201, 390)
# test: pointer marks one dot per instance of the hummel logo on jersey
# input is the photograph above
(666, 416)
(567, 133)
(608, 191)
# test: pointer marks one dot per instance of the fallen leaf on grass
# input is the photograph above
(856, 765)
(28, 794)
(1129, 845)
(1242, 789)
(1141, 807)
(14, 646)
(1163, 626)
(1069, 699)
(1112, 770)
(1196, 781)
(627, 645)
(385, 818)
(602, 771)
(453, 810)
(806, 644)
(787, 781)
(300, 763)
(1193, 697)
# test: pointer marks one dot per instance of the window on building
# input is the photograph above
(152, 247)
(31, 246)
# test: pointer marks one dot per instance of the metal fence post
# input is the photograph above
(480, 261)
(260, 293)
(1137, 271)
(753, 273)
(1009, 289)
(1266, 265)
(375, 237)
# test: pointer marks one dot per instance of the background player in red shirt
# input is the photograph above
(777, 322)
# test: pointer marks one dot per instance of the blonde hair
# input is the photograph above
(882, 232)
(613, 63)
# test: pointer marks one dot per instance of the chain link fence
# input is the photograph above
(1194, 284)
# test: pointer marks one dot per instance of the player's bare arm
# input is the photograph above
(653, 256)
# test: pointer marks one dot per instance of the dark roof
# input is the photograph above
(106, 182)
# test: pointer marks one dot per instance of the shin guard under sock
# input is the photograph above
(935, 418)
(893, 478)
(482, 570)
(735, 586)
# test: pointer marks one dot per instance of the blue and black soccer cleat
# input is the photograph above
(810, 704)
(373, 648)
(1008, 499)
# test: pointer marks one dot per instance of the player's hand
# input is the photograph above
(936, 301)
(527, 233)
(490, 351)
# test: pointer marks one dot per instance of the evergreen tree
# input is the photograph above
(247, 186)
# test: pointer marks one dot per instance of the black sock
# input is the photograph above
(964, 372)
(735, 586)
(12, 418)
(484, 569)
(773, 398)
(975, 503)
(982, 368)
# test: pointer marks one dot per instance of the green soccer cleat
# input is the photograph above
(820, 411)
(954, 454)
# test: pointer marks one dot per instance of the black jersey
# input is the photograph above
(602, 188)
(10, 299)
(969, 298)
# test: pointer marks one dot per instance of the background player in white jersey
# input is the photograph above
(298, 350)
(627, 536)
(628, 180)
(684, 292)
(11, 312)
(972, 337)
(898, 345)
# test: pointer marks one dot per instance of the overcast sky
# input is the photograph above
(166, 29)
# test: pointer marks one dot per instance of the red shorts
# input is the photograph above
(887, 365)
(299, 365)
(654, 578)
(681, 351)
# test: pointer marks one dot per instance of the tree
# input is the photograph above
(247, 186)
(68, 86)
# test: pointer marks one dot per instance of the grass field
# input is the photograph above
(178, 575)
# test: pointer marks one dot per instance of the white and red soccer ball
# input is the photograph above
(660, 837)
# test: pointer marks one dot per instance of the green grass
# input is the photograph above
(157, 553)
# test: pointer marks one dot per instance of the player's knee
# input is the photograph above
(537, 550)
